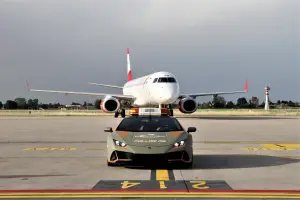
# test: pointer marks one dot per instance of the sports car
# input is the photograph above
(150, 139)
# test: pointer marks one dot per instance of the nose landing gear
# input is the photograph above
(166, 106)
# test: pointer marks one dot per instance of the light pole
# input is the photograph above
(267, 107)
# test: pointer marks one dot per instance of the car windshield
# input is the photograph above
(149, 124)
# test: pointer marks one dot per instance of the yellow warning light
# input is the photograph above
(133, 111)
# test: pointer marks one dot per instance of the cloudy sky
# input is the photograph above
(210, 45)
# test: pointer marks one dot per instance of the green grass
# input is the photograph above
(200, 112)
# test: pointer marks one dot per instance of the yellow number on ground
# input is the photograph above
(127, 184)
(199, 184)
(162, 185)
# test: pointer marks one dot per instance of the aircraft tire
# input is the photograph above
(123, 113)
(171, 112)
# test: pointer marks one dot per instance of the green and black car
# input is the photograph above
(150, 139)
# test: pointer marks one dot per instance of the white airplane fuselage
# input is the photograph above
(160, 88)
(157, 88)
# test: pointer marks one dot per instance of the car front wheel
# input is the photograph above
(110, 164)
(187, 165)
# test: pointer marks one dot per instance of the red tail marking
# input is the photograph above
(129, 76)
(129, 73)
(246, 86)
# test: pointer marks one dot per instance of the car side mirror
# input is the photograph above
(108, 129)
(191, 129)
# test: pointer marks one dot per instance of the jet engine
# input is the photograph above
(187, 105)
(110, 105)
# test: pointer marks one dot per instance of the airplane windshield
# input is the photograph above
(149, 124)
(166, 80)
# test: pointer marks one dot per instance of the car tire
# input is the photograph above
(187, 165)
(110, 164)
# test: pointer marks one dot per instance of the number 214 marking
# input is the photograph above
(195, 184)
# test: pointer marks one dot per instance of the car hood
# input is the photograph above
(150, 138)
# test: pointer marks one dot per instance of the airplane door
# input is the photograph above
(145, 86)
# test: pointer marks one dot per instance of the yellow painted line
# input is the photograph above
(295, 146)
(49, 149)
(147, 193)
(268, 149)
(126, 195)
(162, 185)
(162, 175)
(293, 157)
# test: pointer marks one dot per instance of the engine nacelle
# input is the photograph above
(110, 105)
(187, 105)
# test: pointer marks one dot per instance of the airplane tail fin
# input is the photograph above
(129, 73)
(246, 88)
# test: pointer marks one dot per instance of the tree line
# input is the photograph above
(217, 102)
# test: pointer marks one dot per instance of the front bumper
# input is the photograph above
(128, 157)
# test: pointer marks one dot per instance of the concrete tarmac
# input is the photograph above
(230, 153)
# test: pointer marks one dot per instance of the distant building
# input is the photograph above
(255, 101)
(73, 107)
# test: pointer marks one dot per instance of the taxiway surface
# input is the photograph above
(230, 153)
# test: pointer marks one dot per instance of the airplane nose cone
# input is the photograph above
(167, 94)
(168, 97)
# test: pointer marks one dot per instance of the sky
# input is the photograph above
(209, 45)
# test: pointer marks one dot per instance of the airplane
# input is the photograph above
(159, 88)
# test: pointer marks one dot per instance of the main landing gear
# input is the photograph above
(121, 111)
(171, 110)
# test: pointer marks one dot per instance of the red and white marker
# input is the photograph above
(129, 73)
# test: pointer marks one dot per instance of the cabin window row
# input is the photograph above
(164, 80)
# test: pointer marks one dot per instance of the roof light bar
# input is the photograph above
(149, 111)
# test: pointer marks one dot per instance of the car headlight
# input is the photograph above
(118, 143)
(178, 144)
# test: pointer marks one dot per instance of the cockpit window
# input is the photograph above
(166, 80)
(155, 80)
(171, 80)
(163, 80)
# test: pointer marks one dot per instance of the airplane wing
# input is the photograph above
(118, 96)
(194, 95)
(113, 86)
